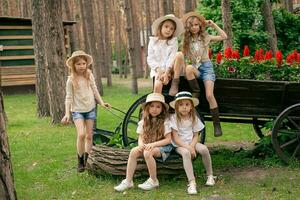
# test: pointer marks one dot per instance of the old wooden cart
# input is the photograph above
(244, 101)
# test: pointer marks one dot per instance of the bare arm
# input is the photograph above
(160, 143)
(221, 34)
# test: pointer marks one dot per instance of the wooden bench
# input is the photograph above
(17, 75)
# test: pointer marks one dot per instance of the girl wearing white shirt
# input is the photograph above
(162, 53)
(185, 132)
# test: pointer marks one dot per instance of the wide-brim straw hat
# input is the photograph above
(179, 25)
(156, 97)
(184, 95)
(194, 14)
(75, 54)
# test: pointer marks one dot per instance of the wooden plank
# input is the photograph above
(15, 83)
(26, 69)
(17, 57)
(15, 27)
(17, 47)
(14, 37)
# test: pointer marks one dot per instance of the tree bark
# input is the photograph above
(7, 188)
(266, 10)
(131, 46)
(190, 5)
(168, 7)
(288, 5)
(39, 34)
(226, 18)
(56, 72)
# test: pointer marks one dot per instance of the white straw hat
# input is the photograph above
(89, 58)
(179, 25)
(184, 95)
(156, 97)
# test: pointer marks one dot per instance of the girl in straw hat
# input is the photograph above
(185, 129)
(162, 52)
(154, 142)
(81, 93)
(195, 49)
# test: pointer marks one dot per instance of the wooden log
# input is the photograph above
(108, 160)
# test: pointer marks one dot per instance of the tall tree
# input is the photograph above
(226, 18)
(39, 34)
(131, 46)
(190, 5)
(288, 5)
(266, 10)
(7, 188)
(56, 73)
(168, 7)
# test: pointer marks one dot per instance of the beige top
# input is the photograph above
(199, 49)
(81, 99)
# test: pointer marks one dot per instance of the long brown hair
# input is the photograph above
(192, 113)
(188, 35)
(153, 127)
(158, 31)
(74, 74)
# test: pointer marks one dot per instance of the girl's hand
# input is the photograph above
(141, 147)
(149, 146)
(106, 105)
(165, 78)
(65, 119)
(209, 23)
(192, 151)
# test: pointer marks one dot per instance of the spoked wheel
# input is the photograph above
(130, 122)
(259, 128)
(286, 134)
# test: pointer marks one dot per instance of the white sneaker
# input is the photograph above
(192, 188)
(149, 184)
(124, 185)
(210, 180)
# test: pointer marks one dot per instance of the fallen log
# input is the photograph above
(108, 160)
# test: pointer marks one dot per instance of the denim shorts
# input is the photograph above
(84, 115)
(165, 152)
(207, 71)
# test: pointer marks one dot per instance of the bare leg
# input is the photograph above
(157, 86)
(89, 135)
(209, 92)
(151, 163)
(132, 162)
(178, 67)
(191, 74)
(79, 123)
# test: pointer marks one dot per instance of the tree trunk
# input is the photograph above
(168, 7)
(7, 188)
(56, 72)
(288, 5)
(108, 49)
(147, 9)
(71, 29)
(39, 34)
(131, 46)
(266, 10)
(226, 18)
(87, 9)
(25, 8)
(190, 5)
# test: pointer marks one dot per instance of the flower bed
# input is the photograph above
(261, 66)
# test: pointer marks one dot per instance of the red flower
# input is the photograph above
(219, 57)
(290, 58)
(278, 56)
(298, 58)
(269, 55)
(246, 51)
(231, 69)
(235, 54)
(228, 53)
(209, 53)
(259, 55)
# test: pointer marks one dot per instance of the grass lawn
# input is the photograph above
(44, 160)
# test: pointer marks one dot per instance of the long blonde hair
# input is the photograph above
(192, 112)
(188, 35)
(74, 74)
(153, 127)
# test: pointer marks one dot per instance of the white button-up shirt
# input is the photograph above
(161, 54)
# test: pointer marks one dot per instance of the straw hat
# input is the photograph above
(194, 14)
(184, 95)
(156, 97)
(179, 25)
(89, 58)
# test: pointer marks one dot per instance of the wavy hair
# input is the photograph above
(74, 74)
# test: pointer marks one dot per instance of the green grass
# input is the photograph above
(44, 160)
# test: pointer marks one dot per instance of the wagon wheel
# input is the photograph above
(131, 120)
(286, 134)
(258, 127)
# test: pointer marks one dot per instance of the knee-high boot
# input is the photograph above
(80, 164)
(194, 87)
(216, 122)
(174, 87)
(85, 156)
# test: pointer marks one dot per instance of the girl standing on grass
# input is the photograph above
(81, 97)
(162, 53)
(195, 49)
(185, 134)
(154, 142)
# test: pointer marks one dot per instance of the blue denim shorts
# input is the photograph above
(207, 71)
(165, 152)
(84, 115)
